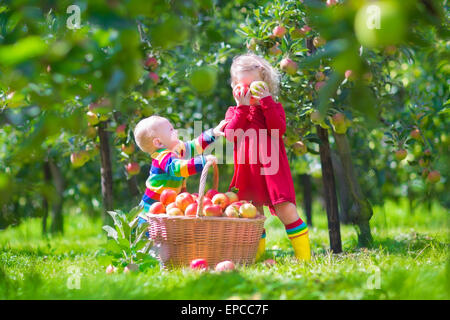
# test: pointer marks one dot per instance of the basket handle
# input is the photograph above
(201, 189)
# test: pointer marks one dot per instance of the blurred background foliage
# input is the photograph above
(135, 58)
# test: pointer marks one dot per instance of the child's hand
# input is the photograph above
(218, 131)
(211, 158)
(240, 97)
(261, 91)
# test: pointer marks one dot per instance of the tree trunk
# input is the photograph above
(57, 225)
(361, 210)
(329, 191)
(305, 180)
(105, 172)
(45, 201)
(133, 188)
(344, 197)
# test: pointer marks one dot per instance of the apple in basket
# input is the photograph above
(170, 206)
(199, 264)
(232, 211)
(157, 208)
(232, 197)
(191, 210)
(212, 210)
(175, 212)
(183, 200)
(221, 200)
(168, 196)
(225, 266)
(211, 193)
(195, 196)
(247, 210)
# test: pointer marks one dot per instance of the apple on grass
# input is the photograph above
(212, 210)
(157, 208)
(225, 266)
(248, 210)
(183, 200)
(221, 200)
(111, 269)
(199, 264)
(168, 196)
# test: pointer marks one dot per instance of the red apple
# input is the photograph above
(195, 196)
(154, 77)
(128, 149)
(121, 131)
(175, 212)
(168, 196)
(171, 206)
(183, 200)
(427, 152)
(232, 211)
(269, 262)
(225, 266)
(247, 210)
(288, 66)
(331, 3)
(111, 269)
(305, 29)
(211, 193)
(157, 208)
(434, 176)
(199, 264)
(133, 168)
(400, 154)
(191, 210)
(206, 201)
(221, 200)
(151, 63)
(233, 197)
(349, 74)
(275, 50)
(415, 134)
(131, 268)
(279, 31)
(212, 210)
(319, 85)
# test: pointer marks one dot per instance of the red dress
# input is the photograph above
(261, 167)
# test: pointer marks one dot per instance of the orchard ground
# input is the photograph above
(409, 260)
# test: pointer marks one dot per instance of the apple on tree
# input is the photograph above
(133, 168)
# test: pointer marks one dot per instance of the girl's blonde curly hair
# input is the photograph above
(251, 61)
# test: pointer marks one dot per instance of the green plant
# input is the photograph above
(127, 244)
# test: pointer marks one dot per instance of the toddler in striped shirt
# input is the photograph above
(172, 159)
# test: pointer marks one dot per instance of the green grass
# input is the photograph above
(409, 258)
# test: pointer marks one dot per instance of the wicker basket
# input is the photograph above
(181, 239)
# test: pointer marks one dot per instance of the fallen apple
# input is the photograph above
(199, 264)
(111, 269)
(225, 266)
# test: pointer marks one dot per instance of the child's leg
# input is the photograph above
(296, 229)
(262, 241)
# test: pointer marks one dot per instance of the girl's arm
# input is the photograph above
(274, 114)
(238, 120)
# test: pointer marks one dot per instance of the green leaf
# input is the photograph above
(111, 232)
(22, 50)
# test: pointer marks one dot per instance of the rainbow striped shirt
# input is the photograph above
(170, 168)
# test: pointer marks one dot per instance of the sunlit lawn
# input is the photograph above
(409, 261)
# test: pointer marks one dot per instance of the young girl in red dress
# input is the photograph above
(261, 168)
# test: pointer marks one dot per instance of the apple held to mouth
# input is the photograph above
(221, 200)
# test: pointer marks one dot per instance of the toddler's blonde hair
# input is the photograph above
(145, 131)
(251, 61)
